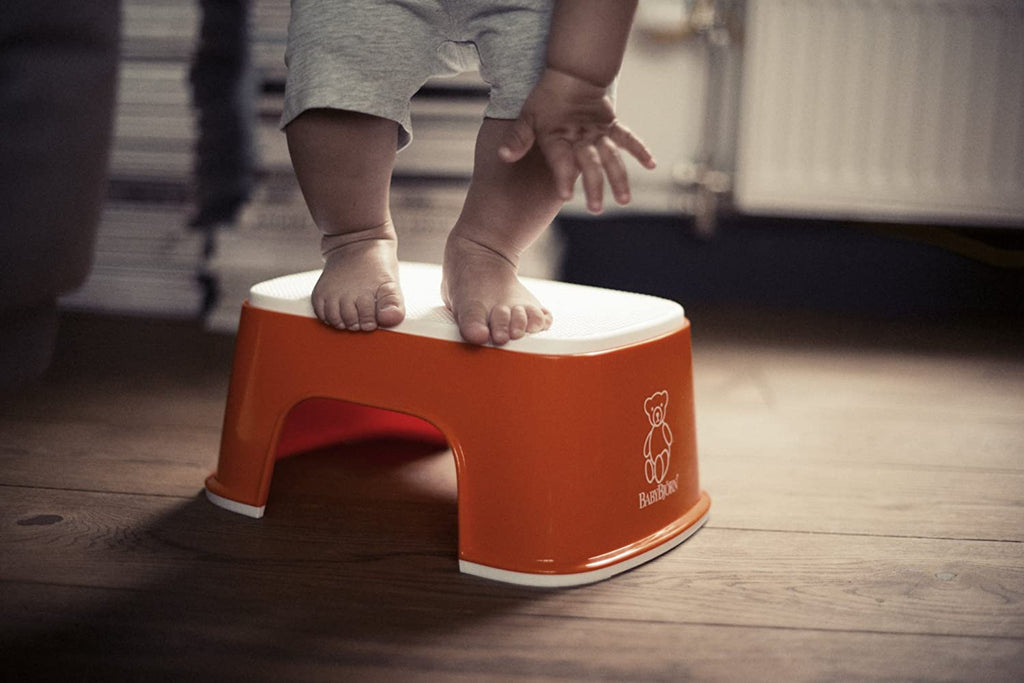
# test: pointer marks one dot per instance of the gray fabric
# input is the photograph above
(58, 67)
(58, 75)
(372, 56)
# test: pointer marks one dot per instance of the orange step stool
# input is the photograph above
(575, 451)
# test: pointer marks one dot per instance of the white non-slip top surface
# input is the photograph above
(586, 319)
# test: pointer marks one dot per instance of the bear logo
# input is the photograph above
(658, 444)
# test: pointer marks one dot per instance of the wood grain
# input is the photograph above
(855, 538)
(401, 545)
(186, 634)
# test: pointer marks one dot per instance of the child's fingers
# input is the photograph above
(624, 138)
(589, 161)
(562, 162)
(611, 160)
(516, 142)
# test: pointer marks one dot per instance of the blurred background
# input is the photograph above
(853, 156)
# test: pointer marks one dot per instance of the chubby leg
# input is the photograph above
(506, 209)
(343, 161)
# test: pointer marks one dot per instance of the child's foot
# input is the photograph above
(483, 292)
(359, 287)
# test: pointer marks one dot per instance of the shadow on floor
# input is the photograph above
(357, 552)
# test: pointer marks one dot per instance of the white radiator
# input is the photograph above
(883, 109)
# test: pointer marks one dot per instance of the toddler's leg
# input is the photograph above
(507, 208)
(343, 161)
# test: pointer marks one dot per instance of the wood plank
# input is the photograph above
(118, 634)
(129, 448)
(402, 551)
(748, 492)
(843, 439)
(866, 440)
(106, 456)
(895, 500)
(866, 384)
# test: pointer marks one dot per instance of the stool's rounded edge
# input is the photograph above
(254, 511)
(261, 295)
(669, 323)
(584, 578)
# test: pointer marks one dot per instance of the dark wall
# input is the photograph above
(803, 265)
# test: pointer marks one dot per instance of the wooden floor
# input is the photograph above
(867, 523)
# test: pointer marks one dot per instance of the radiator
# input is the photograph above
(906, 110)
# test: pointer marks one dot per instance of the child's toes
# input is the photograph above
(517, 324)
(390, 309)
(349, 314)
(389, 315)
(366, 309)
(500, 318)
(332, 313)
(322, 312)
(472, 321)
(537, 319)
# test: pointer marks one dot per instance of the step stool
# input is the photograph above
(575, 452)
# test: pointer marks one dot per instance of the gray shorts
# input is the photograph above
(371, 56)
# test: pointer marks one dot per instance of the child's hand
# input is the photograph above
(573, 123)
